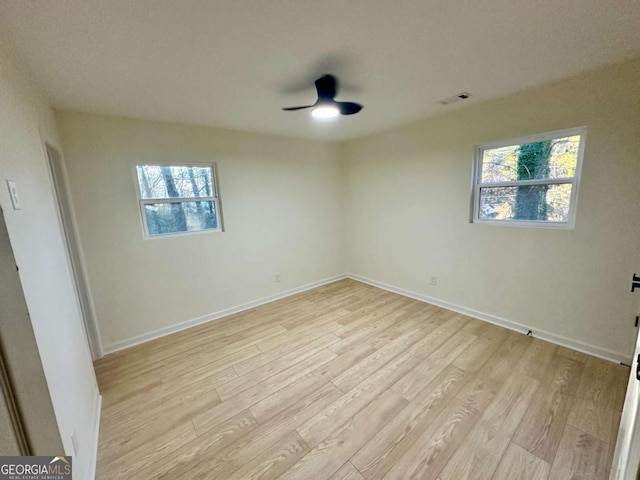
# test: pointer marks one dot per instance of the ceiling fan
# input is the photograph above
(327, 106)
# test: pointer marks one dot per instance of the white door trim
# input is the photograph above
(66, 219)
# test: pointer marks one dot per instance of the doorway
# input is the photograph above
(58, 178)
(28, 424)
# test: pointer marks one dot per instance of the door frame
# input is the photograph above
(75, 259)
(10, 404)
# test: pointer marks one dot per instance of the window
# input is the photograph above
(178, 199)
(531, 181)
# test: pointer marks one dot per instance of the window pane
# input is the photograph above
(547, 203)
(555, 158)
(159, 181)
(163, 218)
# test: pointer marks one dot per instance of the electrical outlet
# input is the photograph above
(433, 281)
(75, 442)
(277, 278)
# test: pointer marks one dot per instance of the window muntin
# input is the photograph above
(178, 199)
(532, 181)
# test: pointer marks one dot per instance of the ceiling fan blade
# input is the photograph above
(289, 109)
(327, 86)
(348, 108)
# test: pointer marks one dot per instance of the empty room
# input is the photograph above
(320, 239)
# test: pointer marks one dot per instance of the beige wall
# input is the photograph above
(407, 212)
(38, 245)
(391, 207)
(282, 211)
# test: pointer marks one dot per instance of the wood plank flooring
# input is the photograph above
(351, 382)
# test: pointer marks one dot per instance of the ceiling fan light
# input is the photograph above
(325, 111)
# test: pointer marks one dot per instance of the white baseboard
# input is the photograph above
(594, 350)
(487, 317)
(91, 474)
(114, 347)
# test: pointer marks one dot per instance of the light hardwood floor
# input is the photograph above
(348, 381)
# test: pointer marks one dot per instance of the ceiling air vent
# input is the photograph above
(456, 98)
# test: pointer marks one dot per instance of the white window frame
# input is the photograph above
(574, 181)
(215, 198)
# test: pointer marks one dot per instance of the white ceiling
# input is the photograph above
(235, 63)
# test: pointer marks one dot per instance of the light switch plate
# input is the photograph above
(13, 193)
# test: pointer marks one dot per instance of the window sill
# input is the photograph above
(525, 223)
